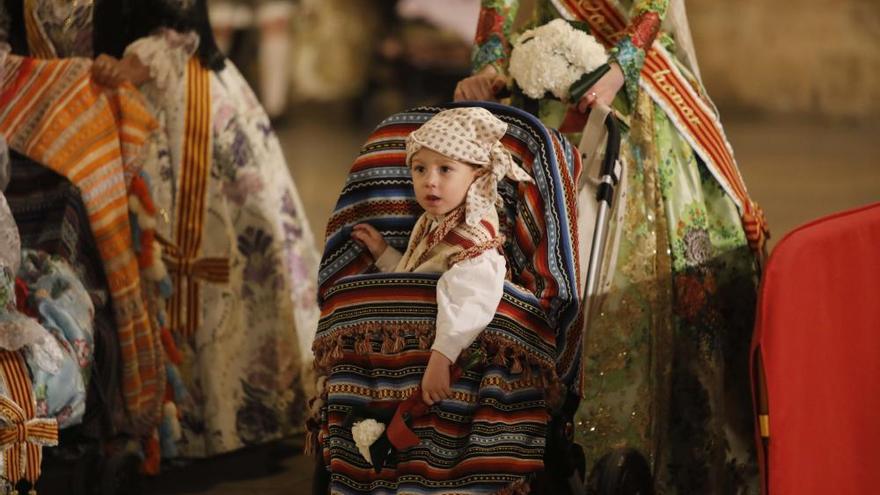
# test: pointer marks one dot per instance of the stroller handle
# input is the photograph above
(608, 174)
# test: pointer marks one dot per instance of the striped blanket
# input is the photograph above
(51, 112)
(375, 332)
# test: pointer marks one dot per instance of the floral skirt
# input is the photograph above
(666, 358)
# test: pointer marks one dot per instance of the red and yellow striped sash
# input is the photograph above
(182, 257)
(686, 108)
(22, 437)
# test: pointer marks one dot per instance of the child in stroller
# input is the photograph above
(456, 160)
(377, 330)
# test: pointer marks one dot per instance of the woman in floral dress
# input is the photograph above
(665, 366)
(237, 243)
(239, 251)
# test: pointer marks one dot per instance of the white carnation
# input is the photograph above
(365, 433)
(552, 57)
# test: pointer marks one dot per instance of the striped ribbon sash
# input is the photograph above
(22, 437)
(689, 111)
(182, 256)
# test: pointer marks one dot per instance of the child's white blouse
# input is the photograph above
(467, 298)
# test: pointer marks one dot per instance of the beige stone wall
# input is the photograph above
(801, 57)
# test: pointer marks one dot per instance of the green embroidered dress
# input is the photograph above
(666, 357)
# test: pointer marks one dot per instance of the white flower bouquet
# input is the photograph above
(559, 59)
(365, 433)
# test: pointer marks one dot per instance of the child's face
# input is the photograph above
(441, 183)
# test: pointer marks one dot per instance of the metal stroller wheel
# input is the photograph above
(121, 475)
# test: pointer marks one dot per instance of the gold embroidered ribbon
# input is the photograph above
(22, 437)
(187, 268)
(690, 111)
(187, 273)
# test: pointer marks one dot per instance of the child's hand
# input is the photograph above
(366, 235)
(435, 383)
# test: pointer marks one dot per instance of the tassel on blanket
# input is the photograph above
(516, 368)
(521, 487)
(501, 351)
(554, 390)
(149, 252)
(171, 351)
(330, 349)
(499, 359)
(507, 352)
(387, 344)
(397, 341)
(313, 423)
(139, 188)
(152, 455)
(175, 384)
(309, 447)
(170, 430)
(312, 446)
(337, 351)
(362, 345)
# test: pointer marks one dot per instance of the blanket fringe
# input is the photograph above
(391, 338)
(521, 487)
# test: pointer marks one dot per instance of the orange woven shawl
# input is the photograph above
(52, 112)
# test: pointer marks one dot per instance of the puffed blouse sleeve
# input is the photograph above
(468, 295)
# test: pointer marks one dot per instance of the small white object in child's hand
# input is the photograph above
(365, 433)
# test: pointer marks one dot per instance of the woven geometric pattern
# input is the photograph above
(376, 329)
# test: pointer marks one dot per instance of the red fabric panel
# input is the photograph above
(818, 330)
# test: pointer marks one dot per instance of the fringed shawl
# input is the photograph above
(53, 113)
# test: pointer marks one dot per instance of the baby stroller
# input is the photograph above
(815, 356)
(374, 337)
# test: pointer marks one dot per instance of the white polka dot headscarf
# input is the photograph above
(471, 135)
